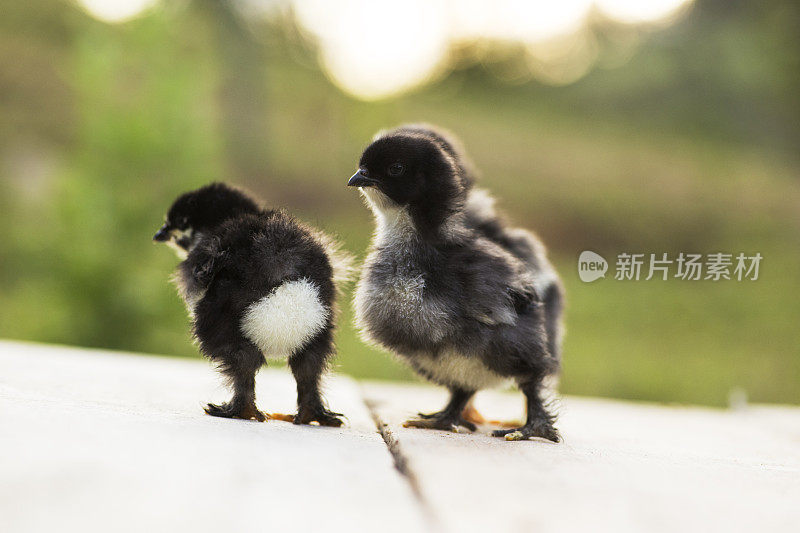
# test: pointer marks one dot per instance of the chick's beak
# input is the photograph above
(162, 234)
(359, 179)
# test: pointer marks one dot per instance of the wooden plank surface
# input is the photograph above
(100, 441)
(623, 466)
(104, 441)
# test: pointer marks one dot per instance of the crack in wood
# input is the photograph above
(402, 464)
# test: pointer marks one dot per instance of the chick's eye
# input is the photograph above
(396, 169)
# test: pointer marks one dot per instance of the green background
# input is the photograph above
(690, 146)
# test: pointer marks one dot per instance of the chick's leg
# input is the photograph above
(307, 366)
(239, 366)
(539, 422)
(450, 418)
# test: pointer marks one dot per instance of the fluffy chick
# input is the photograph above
(258, 284)
(467, 301)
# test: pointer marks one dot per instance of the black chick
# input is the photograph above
(465, 300)
(258, 284)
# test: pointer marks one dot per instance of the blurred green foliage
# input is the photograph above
(687, 147)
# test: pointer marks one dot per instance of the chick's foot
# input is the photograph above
(282, 417)
(443, 420)
(319, 415)
(540, 429)
(470, 414)
(234, 409)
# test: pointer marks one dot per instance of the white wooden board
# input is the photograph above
(104, 441)
(623, 466)
(108, 442)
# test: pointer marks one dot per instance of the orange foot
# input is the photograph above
(282, 417)
(470, 414)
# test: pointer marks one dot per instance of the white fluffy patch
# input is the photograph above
(286, 319)
(481, 204)
(182, 253)
(377, 201)
(174, 236)
(394, 224)
(453, 368)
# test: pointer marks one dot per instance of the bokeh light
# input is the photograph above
(116, 11)
(373, 49)
(377, 48)
(638, 11)
(517, 20)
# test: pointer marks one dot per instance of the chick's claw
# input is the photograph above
(526, 432)
(323, 417)
(236, 410)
